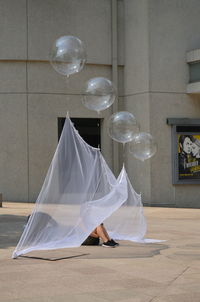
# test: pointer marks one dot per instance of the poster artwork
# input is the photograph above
(189, 156)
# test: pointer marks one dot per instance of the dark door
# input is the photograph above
(88, 128)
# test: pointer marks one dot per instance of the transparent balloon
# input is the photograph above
(122, 127)
(99, 94)
(68, 55)
(143, 146)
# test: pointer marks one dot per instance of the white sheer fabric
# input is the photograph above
(79, 193)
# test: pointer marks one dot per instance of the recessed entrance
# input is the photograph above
(88, 128)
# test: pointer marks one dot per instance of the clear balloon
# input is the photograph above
(99, 94)
(143, 146)
(123, 127)
(68, 55)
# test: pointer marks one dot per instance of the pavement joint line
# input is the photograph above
(179, 275)
(153, 298)
(171, 282)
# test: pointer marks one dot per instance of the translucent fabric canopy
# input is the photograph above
(79, 193)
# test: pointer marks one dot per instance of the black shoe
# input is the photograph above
(114, 242)
(109, 243)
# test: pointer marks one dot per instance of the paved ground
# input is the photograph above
(164, 272)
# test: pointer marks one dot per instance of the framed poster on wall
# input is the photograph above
(188, 156)
(185, 150)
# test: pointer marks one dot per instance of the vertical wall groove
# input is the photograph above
(27, 121)
(115, 75)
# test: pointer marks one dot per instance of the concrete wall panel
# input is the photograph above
(138, 105)
(13, 30)
(89, 20)
(187, 196)
(12, 77)
(42, 78)
(174, 30)
(136, 72)
(13, 155)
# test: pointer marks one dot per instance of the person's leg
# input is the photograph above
(101, 232)
(104, 231)
(107, 236)
(94, 234)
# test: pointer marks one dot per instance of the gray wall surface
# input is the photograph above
(33, 95)
(153, 39)
(158, 36)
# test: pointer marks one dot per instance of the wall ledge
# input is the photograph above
(193, 88)
(193, 56)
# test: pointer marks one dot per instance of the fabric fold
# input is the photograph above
(80, 192)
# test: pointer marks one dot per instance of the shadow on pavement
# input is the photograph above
(11, 228)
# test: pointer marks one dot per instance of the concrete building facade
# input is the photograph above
(139, 44)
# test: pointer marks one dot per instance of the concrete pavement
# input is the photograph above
(163, 272)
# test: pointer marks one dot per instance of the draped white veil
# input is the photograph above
(79, 193)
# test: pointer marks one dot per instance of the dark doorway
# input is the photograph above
(88, 128)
